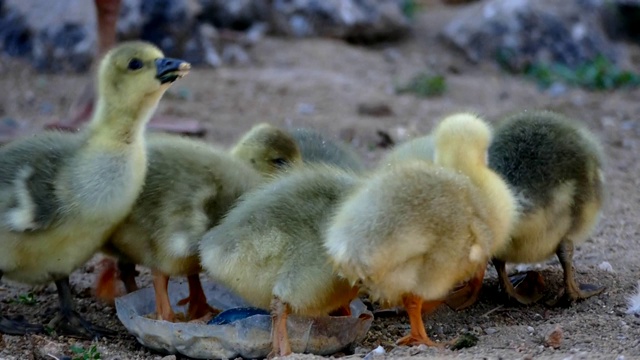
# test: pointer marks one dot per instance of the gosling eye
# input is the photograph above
(279, 162)
(135, 64)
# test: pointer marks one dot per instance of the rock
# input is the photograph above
(490, 331)
(521, 32)
(356, 20)
(61, 35)
(530, 329)
(621, 19)
(236, 14)
(55, 36)
(606, 266)
(375, 352)
(171, 25)
(554, 338)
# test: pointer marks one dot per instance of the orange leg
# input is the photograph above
(279, 333)
(414, 306)
(163, 305)
(106, 287)
(468, 293)
(344, 310)
(197, 300)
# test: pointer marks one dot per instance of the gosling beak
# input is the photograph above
(169, 70)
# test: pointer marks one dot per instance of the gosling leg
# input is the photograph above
(17, 326)
(161, 289)
(279, 333)
(468, 293)
(415, 306)
(197, 300)
(572, 291)
(529, 288)
(68, 321)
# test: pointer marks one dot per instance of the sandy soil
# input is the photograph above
(321, 83)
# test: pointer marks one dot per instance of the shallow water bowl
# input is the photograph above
(249, 337)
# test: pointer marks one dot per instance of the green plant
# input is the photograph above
(410, 8)
(81, 353)
(424, 84)
(26, 299)
(598, 74)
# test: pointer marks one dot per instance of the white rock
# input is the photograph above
(606, 266)
(377, 351)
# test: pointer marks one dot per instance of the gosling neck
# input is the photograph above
(119, 123)
(466, 163)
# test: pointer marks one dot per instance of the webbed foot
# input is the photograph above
(572, 291)
(72, 324)
(529, 287)
(468, 293)
(525, 288)
(69, 322)
(415, 307)
(18, 326)
(197, 300)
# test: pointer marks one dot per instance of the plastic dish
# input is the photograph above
(248, 338)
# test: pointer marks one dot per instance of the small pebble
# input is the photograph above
(606, 266)
(169, 357)
(530, 329)
(554, 338)
(490, 331)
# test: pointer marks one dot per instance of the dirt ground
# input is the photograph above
(321, 83)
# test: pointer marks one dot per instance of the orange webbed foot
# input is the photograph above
(197, 300)
(415, 306)
(416, 339)
(163, 306)
(468, 293)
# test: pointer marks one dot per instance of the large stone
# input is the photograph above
(621, 19)
(521, 32)
(61, 35)
(55, 35)
(236, 15)
(349, 19)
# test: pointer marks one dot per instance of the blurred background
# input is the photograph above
(369, 71)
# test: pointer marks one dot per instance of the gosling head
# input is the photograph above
(136, 73)
(461, 140)
(268, 149)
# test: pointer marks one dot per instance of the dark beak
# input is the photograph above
(169, 70)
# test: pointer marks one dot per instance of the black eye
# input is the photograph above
(279, 162)
(135, 64)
